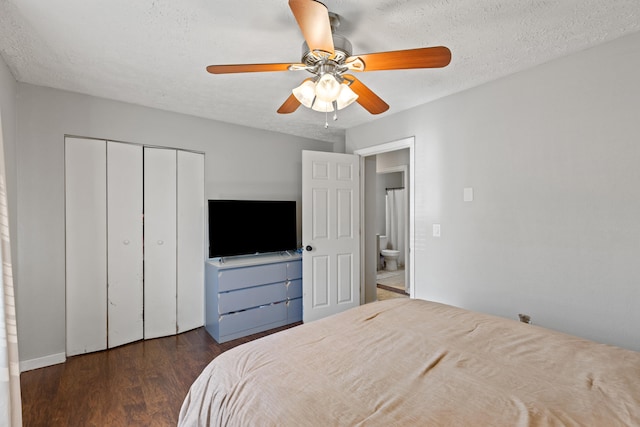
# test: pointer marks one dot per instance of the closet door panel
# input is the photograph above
(86, 245)
(191, 255)
(125, 251)
(159, 242)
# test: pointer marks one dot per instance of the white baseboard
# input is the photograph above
(42, 362)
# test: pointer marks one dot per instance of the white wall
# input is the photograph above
(553, 156)
(392, 159)
(384, 162)
(241, 163)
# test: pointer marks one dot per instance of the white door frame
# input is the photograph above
(400, 144)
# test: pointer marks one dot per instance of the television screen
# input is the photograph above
(244, 227)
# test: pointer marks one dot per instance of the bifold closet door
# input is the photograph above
(191, 255)
(125, 251)
(159, 242)
(86, 245)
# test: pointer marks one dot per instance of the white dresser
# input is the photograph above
(252, 294)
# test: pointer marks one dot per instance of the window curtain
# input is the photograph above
(10, 402)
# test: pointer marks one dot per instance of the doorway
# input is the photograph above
(403, 151)
(391, 224)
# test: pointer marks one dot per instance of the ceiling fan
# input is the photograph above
(328, 57)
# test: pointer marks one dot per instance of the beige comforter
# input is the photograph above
(412, 362)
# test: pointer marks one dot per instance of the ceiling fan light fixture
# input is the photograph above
(322, 106)
(305, 93)
(328, 88)
(347, 96)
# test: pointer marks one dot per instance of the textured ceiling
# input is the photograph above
(154, 52)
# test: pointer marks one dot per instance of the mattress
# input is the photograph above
(415, 362)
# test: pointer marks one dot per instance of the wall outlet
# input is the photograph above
(525, 318)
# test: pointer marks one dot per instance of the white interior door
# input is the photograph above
(86, 245)
(159, 242)
(124, 218)
(191, 255)
(330, 233)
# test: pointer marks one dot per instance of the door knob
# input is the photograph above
(309, 248)
(126, 242)
(160, 242)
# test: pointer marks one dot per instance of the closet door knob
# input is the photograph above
(161, 242)
(309, 248)
(126, 242)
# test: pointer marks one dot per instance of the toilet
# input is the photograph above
(390, 255)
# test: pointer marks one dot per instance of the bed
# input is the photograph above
(415, 362)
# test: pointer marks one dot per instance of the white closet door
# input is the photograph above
(124, 213)
(159, 242)
(86, 245)
(190, 241)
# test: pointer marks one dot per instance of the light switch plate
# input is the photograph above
(436, 230)
(468, 194)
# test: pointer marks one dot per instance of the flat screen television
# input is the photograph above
(247, 227)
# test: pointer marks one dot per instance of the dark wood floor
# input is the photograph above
(139, 384)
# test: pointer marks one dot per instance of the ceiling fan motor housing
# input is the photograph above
(341, 45)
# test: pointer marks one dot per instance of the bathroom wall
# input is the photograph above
(392, 159)
(384, 181)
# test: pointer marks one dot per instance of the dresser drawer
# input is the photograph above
(294, 310)
(250, 319)
(252, 297)
(294, 270)
(294, 289)
(238, 278)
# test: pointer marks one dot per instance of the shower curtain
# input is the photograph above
(396, 221)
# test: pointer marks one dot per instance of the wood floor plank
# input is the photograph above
(138, 384)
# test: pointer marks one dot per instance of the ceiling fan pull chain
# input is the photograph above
(326, 119)
(335, 110)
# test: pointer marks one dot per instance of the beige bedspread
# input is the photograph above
(412, 362)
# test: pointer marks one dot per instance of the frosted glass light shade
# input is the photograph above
(322, 106)
(305, 93)
(328, 88)
(346, 97)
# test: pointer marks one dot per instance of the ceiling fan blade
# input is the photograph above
(426, 57)
(289, 106)
(313, 19)
(369, 100)
(248, 68)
